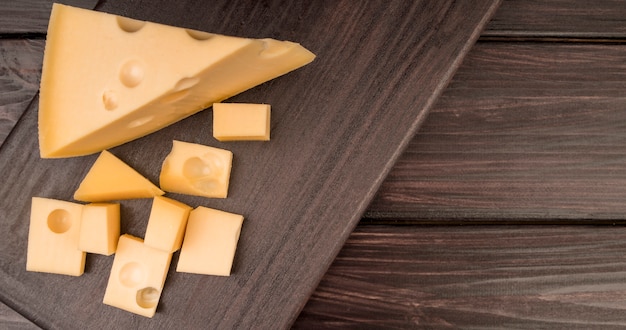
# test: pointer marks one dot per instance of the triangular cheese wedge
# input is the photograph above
(107, 79)
(111, 179)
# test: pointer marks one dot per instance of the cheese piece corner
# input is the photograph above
(196, 169)
(210, 242)
(53, 237)
(137, 276)
(100, 228)
(109, 178)
(241, 121)
(107, 80)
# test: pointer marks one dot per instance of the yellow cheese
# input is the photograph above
(210, 242)
(166, 225)
(100, 228)
(111, 179)
(241, 121)
(53, 237)
(196, 169)
(137, 276)
(107, 80)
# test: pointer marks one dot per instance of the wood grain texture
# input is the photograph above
(20, 69)
(30, 17)
(526, 132)
(489, 277)
(559, 19)
(496, 148)
(605, 19)
(337, 127)
(11, 320)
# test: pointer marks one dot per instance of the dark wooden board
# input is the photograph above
(20, 65)
(474, 277)
(11, 320)
(29, 18)
(338, 125)
(525, 132)
(603, 20)
(512, 277)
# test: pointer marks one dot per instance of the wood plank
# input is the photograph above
(30, 17)
(487, 277)
(10, 319)
(338, 126)
(526, 132)
(602, 20)
(20, 67)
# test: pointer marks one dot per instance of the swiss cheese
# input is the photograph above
(107, 79)
(166, 224)
(210, 242)
(137, 276)
(100, 228)
(241, 122)
(196, 169)
(53, 237)
(111, 179)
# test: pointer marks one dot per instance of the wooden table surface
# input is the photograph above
(506, 209)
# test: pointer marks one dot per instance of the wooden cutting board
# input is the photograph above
(338, 125)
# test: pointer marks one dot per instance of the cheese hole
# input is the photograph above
(130, 25)
(180, 90)
(197, 168)
(109, 99)
(186, 83)
(175, 96)
(59, 221)
(140, 122)
(131, 73)
(131, 275)
(201, 173)
(199, 35)
(148, 297)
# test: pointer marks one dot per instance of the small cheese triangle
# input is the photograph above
(111, 179)
(108, 79)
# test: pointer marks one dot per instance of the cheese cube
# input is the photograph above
(196, 169)
(53, 237)
(166, 224)
(137, 276)
(210, 242)
(111, 179)
(100, 228)
(108, 79)
(241, 121)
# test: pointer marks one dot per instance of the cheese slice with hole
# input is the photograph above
(109, 178)
(197, 170)
(53, 237)
(107, 79)
(137, 276)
